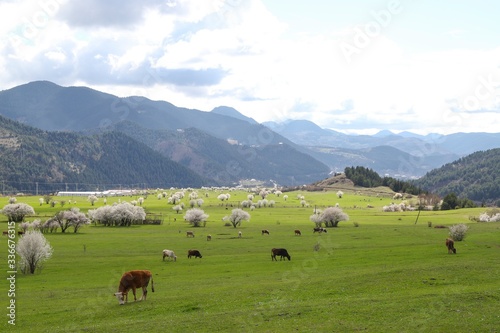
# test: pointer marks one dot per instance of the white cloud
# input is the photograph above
(237, 53)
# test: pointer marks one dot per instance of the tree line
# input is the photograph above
(366, 177)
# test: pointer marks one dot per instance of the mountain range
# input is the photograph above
(223, 146)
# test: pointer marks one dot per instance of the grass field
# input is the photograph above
(389, 274)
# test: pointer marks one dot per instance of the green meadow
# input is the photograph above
(377, 272)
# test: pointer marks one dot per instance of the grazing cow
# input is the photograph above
(279, 252)
(319, 229)
(170, 254)
(194, 253)
(5, 233)
(297, 232)
(265, 231)
(133, 280)
(450, 244)
(209, 237)
(189, 233)
(239, 234)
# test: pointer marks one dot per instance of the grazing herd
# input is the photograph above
(136, 279)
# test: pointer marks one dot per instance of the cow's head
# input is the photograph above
(120, 297)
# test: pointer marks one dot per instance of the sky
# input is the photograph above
(352, 66)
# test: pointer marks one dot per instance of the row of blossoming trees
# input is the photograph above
(118, 214)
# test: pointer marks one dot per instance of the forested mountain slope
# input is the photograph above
(228, 163)
(475, 176)
(34, 160)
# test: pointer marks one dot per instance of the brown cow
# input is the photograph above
(265, 231)
(297, 232)
(133, 280)
(194, 253)
(279, 252)
(189, 233)
(450, 244)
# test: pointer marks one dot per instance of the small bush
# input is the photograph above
(458, 231)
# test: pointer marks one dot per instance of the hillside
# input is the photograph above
(474, 177)
(50, 107)
(228, 163)
(37, 161)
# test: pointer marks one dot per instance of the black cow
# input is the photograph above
(279, 252)
(319, 229)
(194, 253)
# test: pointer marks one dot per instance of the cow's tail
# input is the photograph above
(152, 284)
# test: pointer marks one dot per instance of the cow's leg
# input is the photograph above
(133, 291)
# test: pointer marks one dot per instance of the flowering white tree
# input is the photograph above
(16, 212)
(316, 219)
(119, 214)
(222, 197)
(195, 216)
(92, 199)
(24, 226)
(70, 218)
(12, 200)
(33, 249)
(397, 196)
(331, 217)
(246, 203)
(491, 216)
(458, 231)
(237, 216)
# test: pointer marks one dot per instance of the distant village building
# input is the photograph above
(108, 193)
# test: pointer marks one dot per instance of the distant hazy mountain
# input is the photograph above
(412, 155)
(231, 112)
(51, 107)
(48, 106)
